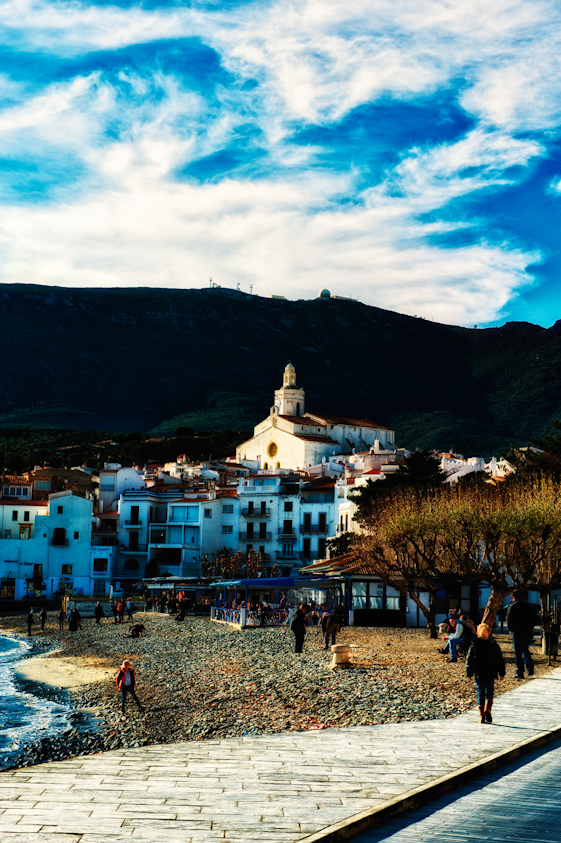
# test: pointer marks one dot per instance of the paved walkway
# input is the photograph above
(518, 803)
(279, 788)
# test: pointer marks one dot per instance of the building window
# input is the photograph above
(266, 466)
(227, 507)
(42, 485)
(288, 506)
(272, 450)
(14, 515)
(60, 510)
(208, 513)
(7, 534)
(66, 570)
(321, 548)
(76, 534)
(59, 537)
(26, 516)
(100, 566)
(24, 492)
(25, 531)
(131, 565)
(8, 588)
(227, 528)
(358, 600)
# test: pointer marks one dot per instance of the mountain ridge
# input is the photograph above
(151, 358)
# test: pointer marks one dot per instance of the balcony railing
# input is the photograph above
(141, 548)
(248, 512)
(314, 528)
(132, 523)
(59, 542)
(286, 537)
(257, 537)
(280, 554)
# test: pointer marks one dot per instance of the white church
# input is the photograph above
(294, 439)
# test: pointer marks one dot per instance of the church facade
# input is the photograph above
(292, 438)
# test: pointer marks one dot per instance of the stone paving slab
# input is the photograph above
(288, 787)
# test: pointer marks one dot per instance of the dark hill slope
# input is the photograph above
(140, 359)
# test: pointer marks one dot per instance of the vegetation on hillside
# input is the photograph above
(23, 448)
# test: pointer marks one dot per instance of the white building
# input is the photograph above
(45, 547)
(294, 439)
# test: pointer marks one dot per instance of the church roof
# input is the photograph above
(317, 437)
(352, 422)
(305, 419)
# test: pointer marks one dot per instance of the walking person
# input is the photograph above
(298, 627)
(520, 620)
(29, 621)
(61, 619)
(121, 611)
(485, 661)
(126, 681)
(43, 618)
(130, 607)
(113, 607)
(98, 612)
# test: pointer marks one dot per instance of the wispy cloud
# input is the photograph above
(184, 159)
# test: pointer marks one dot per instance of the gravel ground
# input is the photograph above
(199, 679)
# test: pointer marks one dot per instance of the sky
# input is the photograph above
(407, 154)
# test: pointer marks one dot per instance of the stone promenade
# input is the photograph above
(278, 788)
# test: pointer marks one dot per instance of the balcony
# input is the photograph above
(280, 554)
(59, 542)
(248, 512)
(256, 537)
(141, 548)
(132, 524)
(314, 528)
(286, 537)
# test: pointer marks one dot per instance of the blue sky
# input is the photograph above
(407, 154)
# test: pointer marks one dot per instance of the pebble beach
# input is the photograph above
(199, 680)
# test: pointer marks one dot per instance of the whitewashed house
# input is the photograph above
(45, 547)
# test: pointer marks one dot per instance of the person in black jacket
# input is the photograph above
(520, 620)
(485, 661)
(298, 626)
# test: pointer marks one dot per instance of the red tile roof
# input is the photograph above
(19, 502)
(310, 437)
(350, 422)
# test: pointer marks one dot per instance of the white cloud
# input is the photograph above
(314, 61)
(149, 231)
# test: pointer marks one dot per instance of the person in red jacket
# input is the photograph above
(126, 680)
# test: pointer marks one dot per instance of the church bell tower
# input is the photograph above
(289, 399)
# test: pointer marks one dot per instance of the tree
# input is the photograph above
(420, 472)
(183, 431)
(341, 544)
(404, 547)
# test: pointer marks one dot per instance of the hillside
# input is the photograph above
(150, 359)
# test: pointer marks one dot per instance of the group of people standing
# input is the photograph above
(331, 622)
(30, 620)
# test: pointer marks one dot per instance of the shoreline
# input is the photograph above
(60, 672)
(198, 680)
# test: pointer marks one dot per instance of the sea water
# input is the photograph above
(25, 717)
